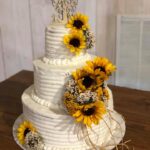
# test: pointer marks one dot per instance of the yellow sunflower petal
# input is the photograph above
(95, 120)
(77, 114)
(85, 120)
(75, 41)
(89, 122)
(21, 129)
(79, 119)
(78, 22)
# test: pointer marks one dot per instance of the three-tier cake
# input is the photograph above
(70, 106)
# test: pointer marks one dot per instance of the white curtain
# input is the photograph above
(133, 52)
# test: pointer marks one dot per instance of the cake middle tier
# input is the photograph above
(50, 76)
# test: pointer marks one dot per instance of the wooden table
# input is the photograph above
(134, 105)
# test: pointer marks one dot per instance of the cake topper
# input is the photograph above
(64, 9)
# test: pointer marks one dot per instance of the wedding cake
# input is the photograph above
(70, 106)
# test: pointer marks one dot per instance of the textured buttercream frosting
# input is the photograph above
(55, 48)
(49, 104)
(50, 77)
(73, 61)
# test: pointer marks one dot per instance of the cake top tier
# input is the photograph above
(69, 34)
(68, 40)
(55, 48)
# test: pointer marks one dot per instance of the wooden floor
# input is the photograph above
(134, 105)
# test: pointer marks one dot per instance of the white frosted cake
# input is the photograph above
(69, 107)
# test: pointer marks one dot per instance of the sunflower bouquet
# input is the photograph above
(86, 93)
(29, 137)
(80, 36)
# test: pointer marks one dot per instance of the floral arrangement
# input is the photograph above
(29, 137)
(75, 41)
(80, 36)
(86, 92)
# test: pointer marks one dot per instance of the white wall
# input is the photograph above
(133, 7)
(137, 76)
(133, 52)
(15, 37)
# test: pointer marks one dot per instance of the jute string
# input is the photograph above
(86, 136)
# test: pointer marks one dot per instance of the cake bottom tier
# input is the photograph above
(60, 131)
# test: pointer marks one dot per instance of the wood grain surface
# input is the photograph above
(134, 105)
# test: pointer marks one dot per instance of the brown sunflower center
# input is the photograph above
(78, 24)
(75, 42)
(87, 81)
(100, 68)
(89, 111)
(27, 130)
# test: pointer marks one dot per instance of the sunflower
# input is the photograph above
(85, 80)
(68, 96)
(90, 113)
(99, 92)
(101, 67)
(103, 93)
(106, 93)
(100, 78)
(78, 22)
(69, 101)
(75, 41)
(23, 130)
